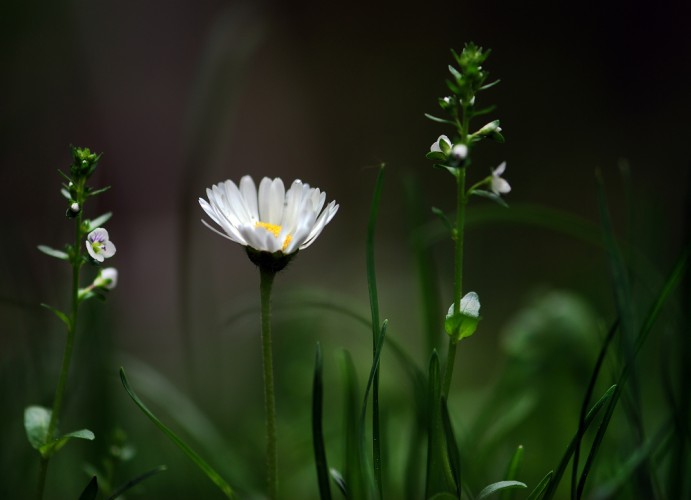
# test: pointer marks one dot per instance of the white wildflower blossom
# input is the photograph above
(270, 219)
(499, 185)
(98, 245)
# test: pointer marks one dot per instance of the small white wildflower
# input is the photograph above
(270, 219)
(459, 152)
(107, 278)
(74, 207)
(499, 185)
(98, 245)
(442, 145)
(490, 128)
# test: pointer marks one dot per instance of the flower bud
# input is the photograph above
(459, 152)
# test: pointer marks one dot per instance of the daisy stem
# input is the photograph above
(67, 354)
(266, 279)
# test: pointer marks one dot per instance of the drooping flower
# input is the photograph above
(270, 219)
(499, 185)
(442, 145)
(98, 245)
(107, 278)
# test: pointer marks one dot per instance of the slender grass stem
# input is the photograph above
(67, 354)
(265, 285)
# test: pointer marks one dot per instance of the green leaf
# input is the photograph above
(498, 137)
(317, 430)
(61, 315)
(439, 120)
(463, 324)
(440, 477)
(452, 170)
(499, 486)
(49, 449)
(455, 73)
(191, 454)
(66, 193)
(91, 490)
(36, 422)
(95, 192)
(442, 215)
(451, 446)
(490, 195)
(377, 334)
(489, 85)
(135, 481)
(436, 156)
(356, 473)
(100, 220)
(512, 472)
(483, 111)
(537, 493)
(58, 254)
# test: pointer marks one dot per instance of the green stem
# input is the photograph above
(458, 274)
(67, 354)
(458, 234)
(265, 285)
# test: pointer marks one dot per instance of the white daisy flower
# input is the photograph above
(98, 245)
(107, 278)
(498, 184)
(270, 219)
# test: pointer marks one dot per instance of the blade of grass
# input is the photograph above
(357, 475)
(556, 477)
(374, 309)
(317, 430)
(537, 493)
(451, 444)
(135, 481)
(512, 472)
(650, 319)
(191, 454)
(440, 477)
(586, 401)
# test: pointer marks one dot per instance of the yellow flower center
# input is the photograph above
(276, 231)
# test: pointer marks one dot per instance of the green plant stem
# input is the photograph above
(265, 284)
(458, 274)
(67, 354)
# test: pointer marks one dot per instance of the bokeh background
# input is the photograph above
(181, 95)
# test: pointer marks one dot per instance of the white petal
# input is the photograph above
(500, 169)
(108, 249)
(263, 200)
(470, 305)
(249, 193)
(500, 186)
(276, 201)
(321, 223)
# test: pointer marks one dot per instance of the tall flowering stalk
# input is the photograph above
(453, 155)
(273, 225)
(41, 423)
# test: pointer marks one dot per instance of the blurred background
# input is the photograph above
(181, 95)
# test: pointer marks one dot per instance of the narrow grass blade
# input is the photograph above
(192, 455)
(539, 490)
(356, 473)
(650, 319)
(374, 308)
(623, 474)
(135, 481)
(451, 444)
(556, 477)
(317, 430)
(499, 486)
(91, 490)
(512, 472)
(440, 477)
(586, 402)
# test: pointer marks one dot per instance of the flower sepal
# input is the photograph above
(269, 262)
(463, 324)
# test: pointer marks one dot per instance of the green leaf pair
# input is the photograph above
(37, 423)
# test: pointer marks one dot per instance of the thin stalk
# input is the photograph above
(266, 279)
(67, 354)
(458, 274)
